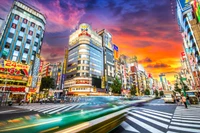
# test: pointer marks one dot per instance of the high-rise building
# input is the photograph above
(85, 61)
(20, 46)
(108, 59)
(23, 32)
(188, 20)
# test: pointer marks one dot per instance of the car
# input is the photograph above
(169, 98)
(193, 99)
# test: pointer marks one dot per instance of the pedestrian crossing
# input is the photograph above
(186, 120)
(143, 120)
(158, 104)
(52, 108)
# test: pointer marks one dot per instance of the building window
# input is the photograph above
(17, 48)
(28, 41)
(39, 28)
(32, 24)
(36, 44)
(22, 29)
(10, 35)
(30, 32)
(16, 17)
(26, 51)
(7, 45)
(14, 26)
(37, 35)
(25, 21)
(34, 53)
(20, 38)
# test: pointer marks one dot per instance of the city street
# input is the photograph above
(159, 117)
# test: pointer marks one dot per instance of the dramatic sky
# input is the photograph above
(145, 28)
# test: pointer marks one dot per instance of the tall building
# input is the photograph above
(108, 59)
(20, 45)
(23, 32)
(85, 61)
(188, 20)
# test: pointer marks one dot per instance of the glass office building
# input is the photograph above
(22, 34)
(85, 61)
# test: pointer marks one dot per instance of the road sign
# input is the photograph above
(183, 78)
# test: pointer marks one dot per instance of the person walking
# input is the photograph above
(184, 101)
(188, 100)
(177, 100)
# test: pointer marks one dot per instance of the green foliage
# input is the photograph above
(161, 93)
(185, 87)
(116, 86)
(156, 93)
(147, 92)
(47, 83)
(133, 90)
(176, 88)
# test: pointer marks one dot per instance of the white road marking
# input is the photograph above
(147, 127)
(153, 116)
(150, 120)
(127, 127)
(185, 124)
(185, 129)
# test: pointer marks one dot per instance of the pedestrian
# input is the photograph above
(27, 101)
(184, 101)
(177, 100)
(21, 102)
(188, 100)
(41, 101)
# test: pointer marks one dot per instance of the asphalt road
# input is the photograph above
(159, 117)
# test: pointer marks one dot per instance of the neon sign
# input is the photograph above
(196, 8)
(82, 81)
(13, 71)
(14, 89)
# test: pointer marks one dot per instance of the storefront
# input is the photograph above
(13, 81)
(14, 93)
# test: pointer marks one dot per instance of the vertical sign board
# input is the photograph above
(115, 51)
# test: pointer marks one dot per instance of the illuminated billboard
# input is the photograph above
(184, 4)
(13, 68)
(196, 10)
(116, 54)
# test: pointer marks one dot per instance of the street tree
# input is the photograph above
(47, 83)
(156, 93)
(161, 93)
(176, 88)
(147, 92)
(116, 86)
(133, 90)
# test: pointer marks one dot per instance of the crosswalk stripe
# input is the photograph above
(186, 121)
(58, 110)
(171, 132)
(157, 114)
(127, 127)
(49, 110)
(45, 109)
(157, 111)
(79, 106)
(184, 129)
(185, 124)
(187, 115)
(186, 118)
(189, 109)
(147, 127)
(68, 108)
(150, 120)
(153, 116)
